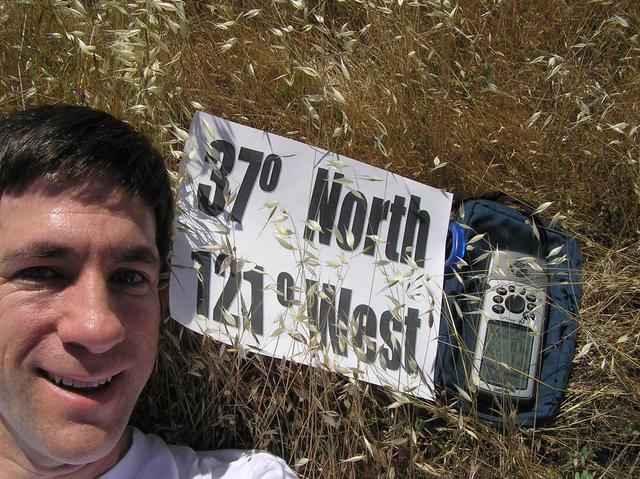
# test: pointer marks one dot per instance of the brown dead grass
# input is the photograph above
(539, 99)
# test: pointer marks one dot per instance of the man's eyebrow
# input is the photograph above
(38, 250)
(140, 254)
(43, 250)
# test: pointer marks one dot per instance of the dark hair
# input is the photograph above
(80, 143)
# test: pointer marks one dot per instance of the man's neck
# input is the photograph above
(21, 466)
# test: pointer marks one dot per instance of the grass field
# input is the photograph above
(540, 99)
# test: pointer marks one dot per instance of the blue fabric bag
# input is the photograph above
(519, 230)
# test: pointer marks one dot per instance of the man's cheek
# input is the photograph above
(142, 332)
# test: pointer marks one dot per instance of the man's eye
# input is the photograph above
(38, 273)
(128, 277)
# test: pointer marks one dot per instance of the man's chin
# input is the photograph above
(81, 447)
(75, 427)
(111, 446)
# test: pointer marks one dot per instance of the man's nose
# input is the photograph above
(89, 319)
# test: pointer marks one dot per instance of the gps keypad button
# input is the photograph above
(515, 304)
(498, 308)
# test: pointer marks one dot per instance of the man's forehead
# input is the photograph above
(71, 201)
(101, 192)
(89, 189)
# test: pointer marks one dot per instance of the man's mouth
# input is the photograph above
(75, 385)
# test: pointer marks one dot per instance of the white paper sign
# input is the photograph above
(294, 252)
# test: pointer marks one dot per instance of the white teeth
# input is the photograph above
(77, 384)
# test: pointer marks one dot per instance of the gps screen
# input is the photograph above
(507, 355)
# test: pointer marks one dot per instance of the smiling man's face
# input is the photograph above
(79, 317)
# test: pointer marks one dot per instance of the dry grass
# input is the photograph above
(539, 99)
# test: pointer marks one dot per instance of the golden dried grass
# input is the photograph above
(539, 99)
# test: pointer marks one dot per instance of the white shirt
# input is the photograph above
(150, 458)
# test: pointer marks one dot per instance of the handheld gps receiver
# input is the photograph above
(510, 326)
